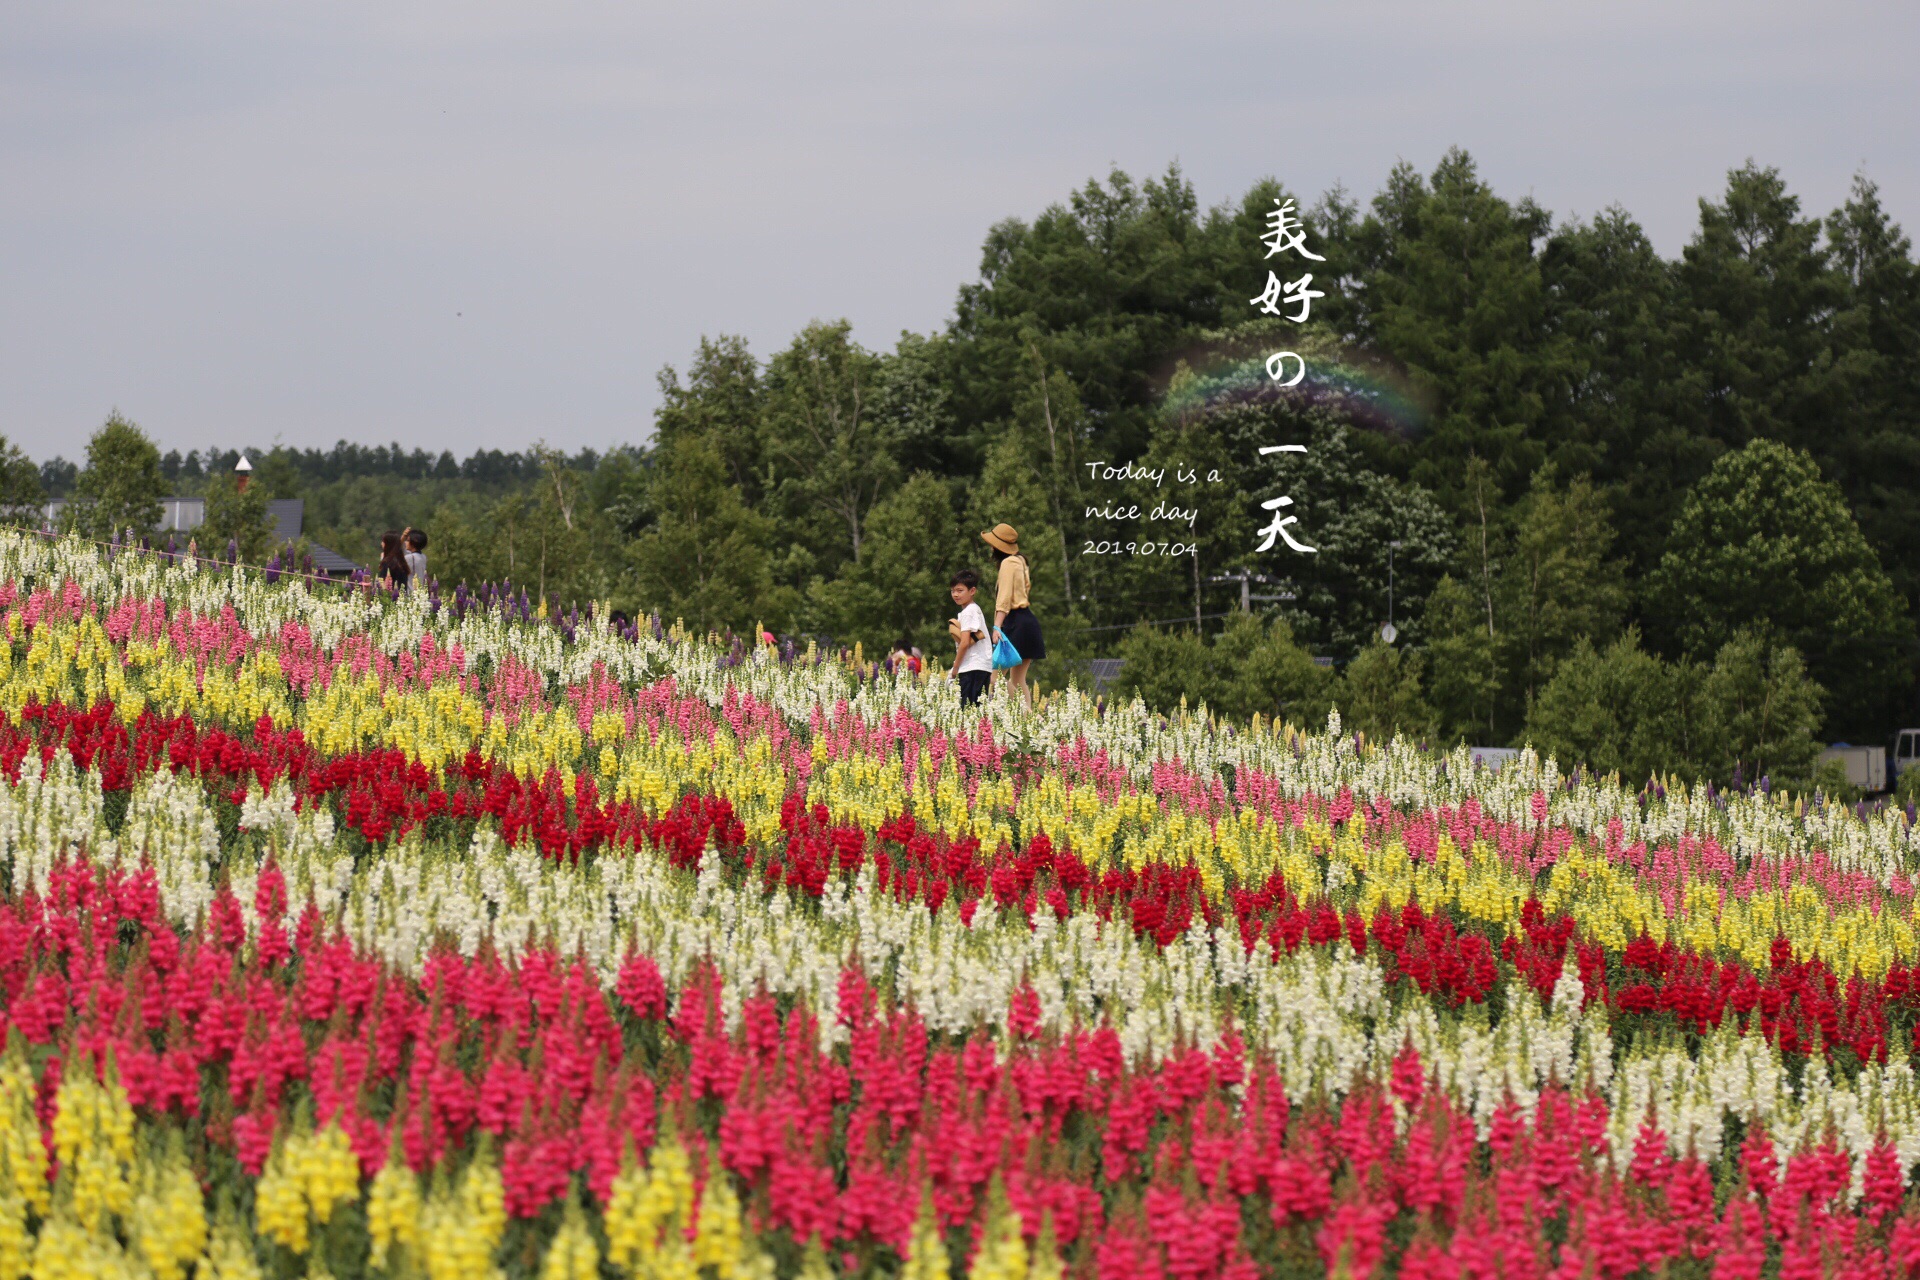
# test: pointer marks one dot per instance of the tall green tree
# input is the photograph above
(1558, 584)
(831, 458)
(1627, 409)
(1766, 543)
(1467, 673)
(22, 497)
(1767, 711)
(913, 403)
(276, 473)
(705, 559)
(720, 399)
(1623, 710)
(1759, 296)
(1453, 290)
(1191, 438)
(121, 486)
(1109, 282)
(1876, 457)
(237, 516)
(1383, 698)
(1351, 515)
(1251, 667)
(1049, 421)
(897, 586)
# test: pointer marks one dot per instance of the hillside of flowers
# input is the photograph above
(345, 935)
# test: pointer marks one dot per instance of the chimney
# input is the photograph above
(243, 472)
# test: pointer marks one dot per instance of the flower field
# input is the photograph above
(342, 935)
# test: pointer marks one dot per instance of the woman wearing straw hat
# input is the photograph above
(1012, 616)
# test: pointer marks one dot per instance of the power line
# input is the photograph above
(1159, 622)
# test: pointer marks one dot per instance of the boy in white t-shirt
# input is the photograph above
(973, 656)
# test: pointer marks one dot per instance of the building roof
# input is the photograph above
(329, 561)
(288, 516)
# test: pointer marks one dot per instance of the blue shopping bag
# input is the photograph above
(1005, 655)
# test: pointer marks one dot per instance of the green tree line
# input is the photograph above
(1584, 467)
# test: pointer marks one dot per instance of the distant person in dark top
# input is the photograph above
(415, 541)
(393, 570)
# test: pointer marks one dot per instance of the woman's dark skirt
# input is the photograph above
(1023, 629)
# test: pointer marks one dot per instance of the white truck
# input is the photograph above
(1866, 766)
(1906, 754)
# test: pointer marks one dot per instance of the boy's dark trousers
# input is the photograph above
(973, 686)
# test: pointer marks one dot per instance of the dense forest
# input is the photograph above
(1659, 513)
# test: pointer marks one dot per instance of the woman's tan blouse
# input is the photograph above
(1010, 588)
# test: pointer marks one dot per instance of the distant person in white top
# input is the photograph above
(416, 542)
(973, 656)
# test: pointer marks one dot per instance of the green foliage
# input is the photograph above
(275, 474)
(897, 585)
(1111, 281)
(1455, 292)
(121, 486)
(238, 516)
(720, 400)
(1906, 788)
(1165, 668)
(1351, 514)
(1466, 681)
(830, 457)
(1558, 587)
(1760, 289)
(1252, 667)
(1047, 433)
(1765, 542)
(1752, 714)
(22, 497)
(1271, 675)
(704, 560)
(1383, 698)
(535, 547)
(460, 547)
(1766, 710)
(1010, 491)
(1575, 441)
(1622, 710)
(1830, 780)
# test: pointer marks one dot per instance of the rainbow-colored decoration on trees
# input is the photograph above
(348, 935)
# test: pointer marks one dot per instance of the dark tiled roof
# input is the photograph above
(288, 516)
(330, 561)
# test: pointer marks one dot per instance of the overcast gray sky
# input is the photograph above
(464, 225)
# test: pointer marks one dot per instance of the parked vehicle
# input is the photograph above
(1493, 757)
(1906, 754)
(1866, 766)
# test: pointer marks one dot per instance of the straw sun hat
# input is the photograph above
(1003, 537)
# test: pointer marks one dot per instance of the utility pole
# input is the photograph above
(1246, 579)
(1390, 633)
